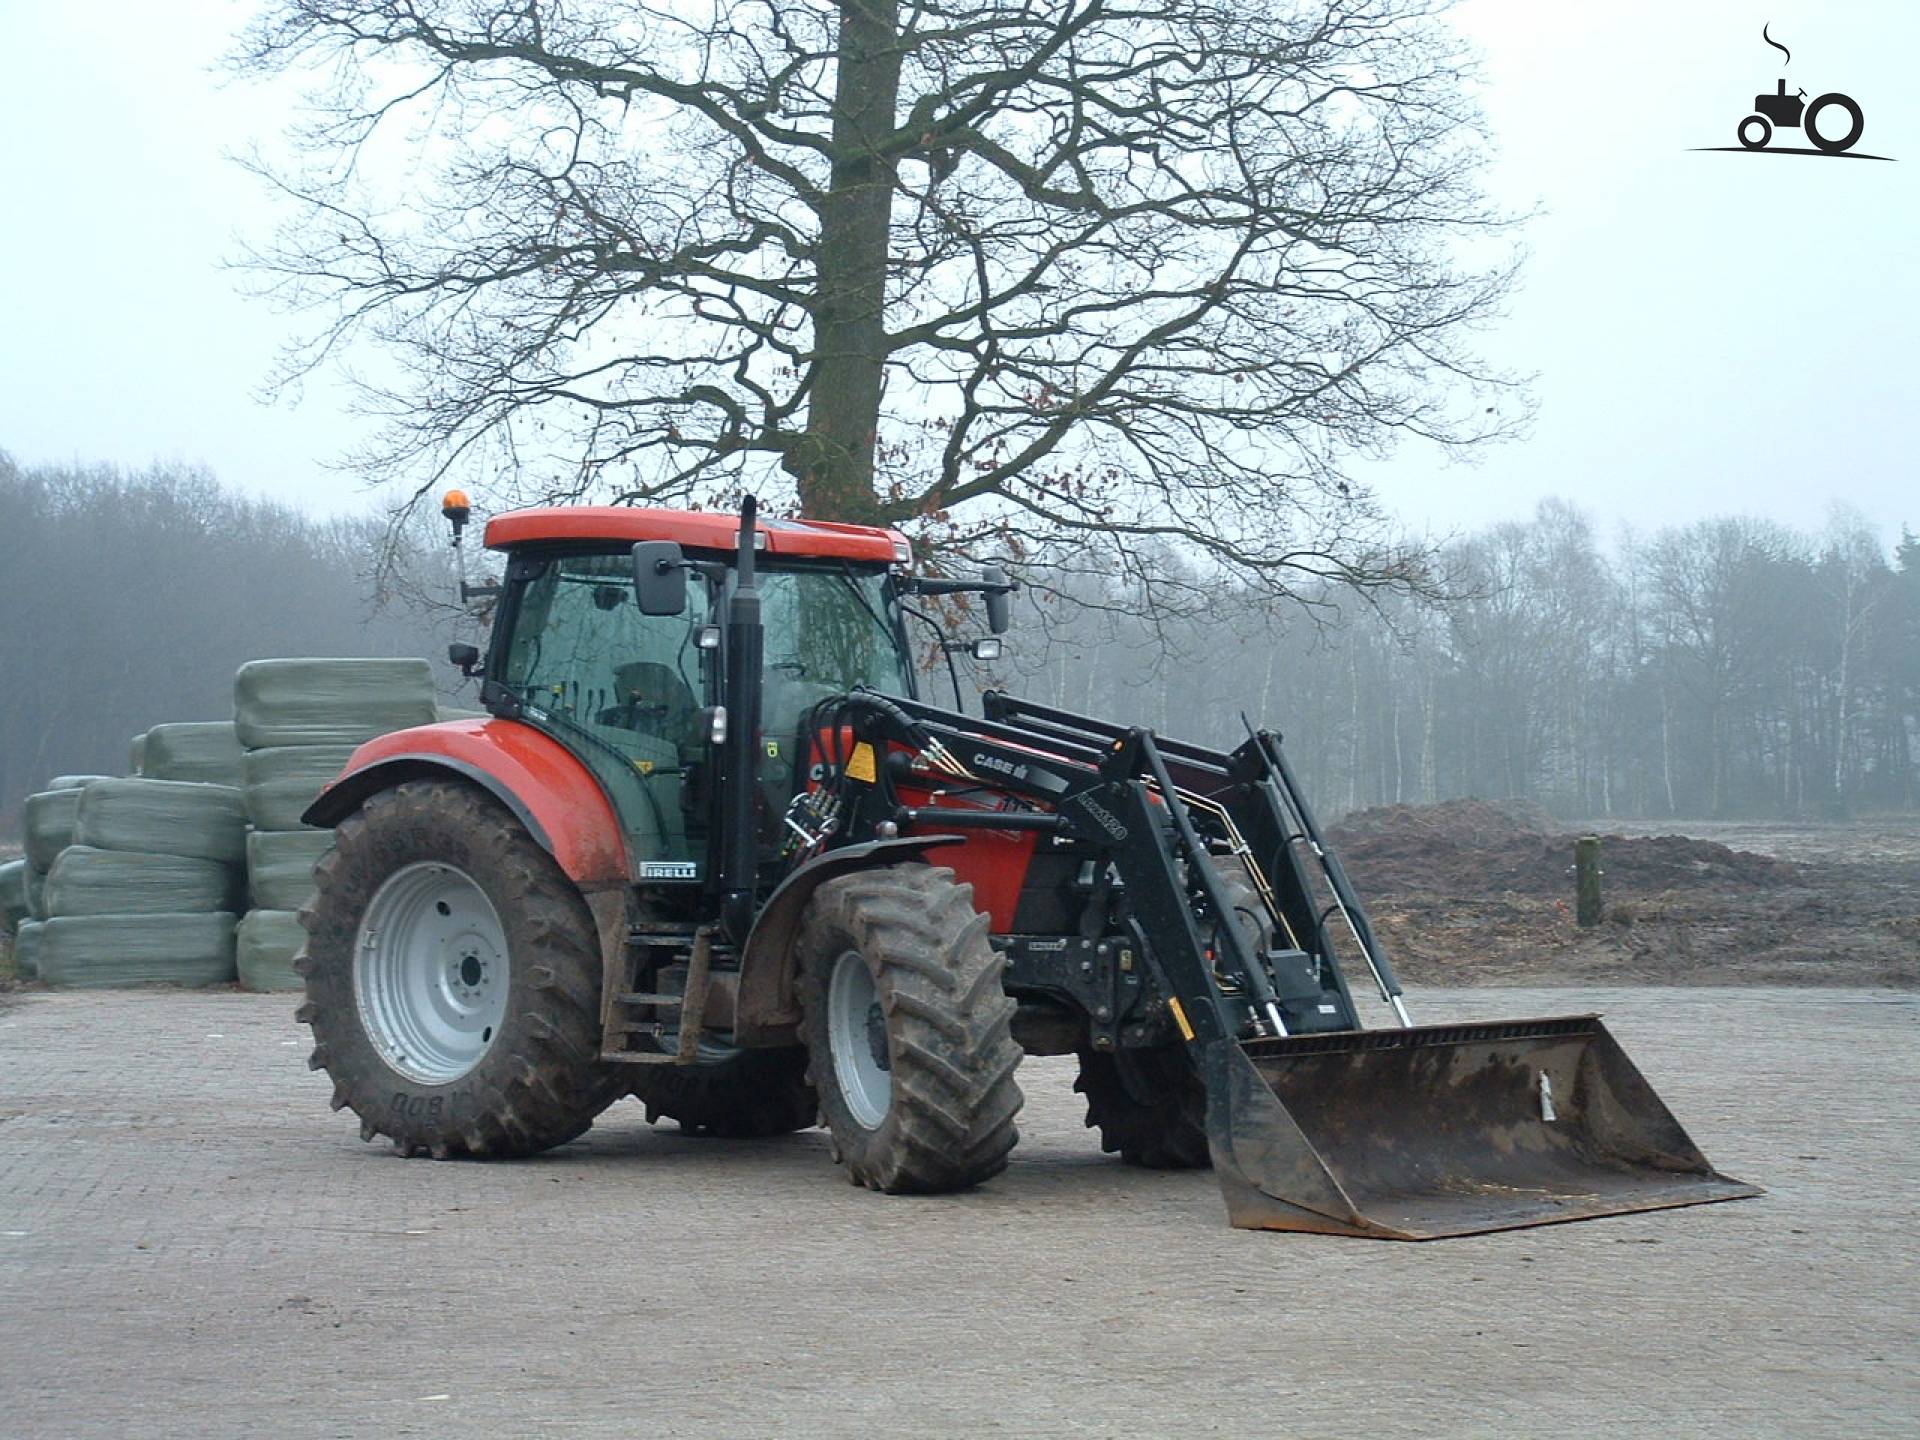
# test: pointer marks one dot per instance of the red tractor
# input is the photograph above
(712, 849)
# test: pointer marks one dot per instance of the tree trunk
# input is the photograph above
(1399, 757)
(1666, 748)
(1429, 768)
(1353, 732)
(836, 461)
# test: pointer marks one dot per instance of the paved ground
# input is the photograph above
(190, 1243)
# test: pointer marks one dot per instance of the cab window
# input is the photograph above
(621, 689)
(826, 632)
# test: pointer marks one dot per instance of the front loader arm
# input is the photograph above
(1312, 1123)
(1163, 815)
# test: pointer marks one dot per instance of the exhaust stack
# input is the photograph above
(745, 642)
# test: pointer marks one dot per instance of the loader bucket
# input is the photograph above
(1444, 1130)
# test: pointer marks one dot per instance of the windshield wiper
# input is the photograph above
(846, 578)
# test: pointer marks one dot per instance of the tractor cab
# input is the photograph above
(609, 637)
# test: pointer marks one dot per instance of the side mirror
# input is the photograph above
(467, 657)
(659, 578)
(999, 608)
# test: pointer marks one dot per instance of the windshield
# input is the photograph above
(826, 632)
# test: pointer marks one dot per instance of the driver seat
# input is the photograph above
(655, 700)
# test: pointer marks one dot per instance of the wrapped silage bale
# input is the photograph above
(49, 824)
(137, 754)
(204, 750)
(26, 949)
(14, 906)
(264, 949)
(164, 817)
(283, 781)
(87, 881)
(278, 703)
(72, 782)
(101, 951)
(444, 713)
(280, 866)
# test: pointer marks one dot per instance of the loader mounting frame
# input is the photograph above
(1313, 1123)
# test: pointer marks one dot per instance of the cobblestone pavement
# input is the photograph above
(191, 1244)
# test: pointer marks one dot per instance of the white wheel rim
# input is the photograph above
(857, 1036)
(430, 972)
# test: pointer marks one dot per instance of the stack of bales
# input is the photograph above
(13, 896)
(300, 721)
(207, 752)
(23, 883)
(16, 916)
(143, 873)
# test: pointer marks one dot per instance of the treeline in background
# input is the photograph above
(130, 599)
(1729, 668)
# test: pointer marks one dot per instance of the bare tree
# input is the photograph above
(1052, 281)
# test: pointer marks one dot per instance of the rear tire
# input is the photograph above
(750, 1095)
(1839, 144)
(424, 1037)
(906, 1026)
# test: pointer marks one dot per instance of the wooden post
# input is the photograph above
(1586, 880)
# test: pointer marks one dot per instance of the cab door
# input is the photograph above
(623, 691)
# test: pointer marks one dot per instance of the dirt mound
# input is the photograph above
(1454, 822)
(1674, 862)
(1474, 847)
(1477, 893)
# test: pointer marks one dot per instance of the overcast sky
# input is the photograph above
(1711, 332)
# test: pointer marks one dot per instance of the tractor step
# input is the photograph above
(628, 1011)
(640, 1057)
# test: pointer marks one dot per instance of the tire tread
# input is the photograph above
(955, 1098)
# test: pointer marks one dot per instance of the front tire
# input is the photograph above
(453, 979)
(907, 1030)
(1148, 1106)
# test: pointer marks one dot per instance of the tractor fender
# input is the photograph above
(766, 1011)
(532, 774)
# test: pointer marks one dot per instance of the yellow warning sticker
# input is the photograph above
(860, 764)
(1180, 1017)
